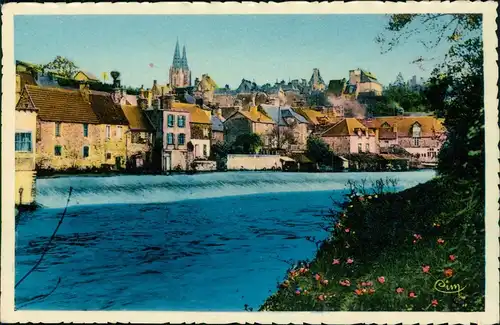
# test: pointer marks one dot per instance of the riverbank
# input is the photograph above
(418, 250)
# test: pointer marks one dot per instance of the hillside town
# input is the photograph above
(80, 124)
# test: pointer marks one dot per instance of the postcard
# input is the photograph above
(250, 162)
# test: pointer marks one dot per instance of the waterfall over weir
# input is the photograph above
(53, 192)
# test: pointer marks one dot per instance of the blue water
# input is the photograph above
(212, 242)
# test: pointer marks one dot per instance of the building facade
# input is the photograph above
(77, 129)
(249, 121)
(421, 136)
(139, 138)
(349, 136)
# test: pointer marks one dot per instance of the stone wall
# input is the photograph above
(253, 162)
(72, 141)
(204, 165)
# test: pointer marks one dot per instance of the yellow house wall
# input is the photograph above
(72, 142)
(25, 121)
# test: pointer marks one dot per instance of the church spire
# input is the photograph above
(184, 59)
(177, 56)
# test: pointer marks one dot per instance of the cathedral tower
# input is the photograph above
(179, 75)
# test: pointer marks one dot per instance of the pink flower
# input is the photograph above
(371, 291)
(369, 284)
(363, 284)
(317, 277)
(361, 198)
(321, 297)
(440, 241)
(417, 236)
(325, 282)
(412, 294)
(336, 261)
(381, 279)
(434, 302)
(350, 260)
(302, 270)
(347, 229)
(414, 241)
(297, 292)
(452, 257)
(400, 290)
(426, 268)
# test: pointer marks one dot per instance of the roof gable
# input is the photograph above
(346, 127)
(25, 102)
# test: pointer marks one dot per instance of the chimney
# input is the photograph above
(142, 103)
(168, 101)
(85, 91)
(253, 109)
(218, 112)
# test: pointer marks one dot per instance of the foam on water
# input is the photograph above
(52, 192)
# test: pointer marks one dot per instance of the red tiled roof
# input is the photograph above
(106, 110)
(65, 105)
(60, 105)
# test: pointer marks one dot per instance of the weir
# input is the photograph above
(52, 192)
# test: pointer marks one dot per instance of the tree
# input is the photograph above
(282, 138)
(457, 90)
(249, 143)
(61, 66)
(318, 150)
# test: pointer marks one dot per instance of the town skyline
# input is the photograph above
(148, 56)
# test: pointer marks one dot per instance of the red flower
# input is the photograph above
(345, 283)
(448, 272)
(347, 229)
(434, 302)
(440, 241)
(452, 257)
(317, 277)
(350, 260)
(399, 290)
(336, 261)
(371, 291)
(426, 268)
(302, 270)
(358, 292)
(381, 279)
(417, 236)
(412, 294)
(361, 198)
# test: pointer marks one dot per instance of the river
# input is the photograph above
(206, 242)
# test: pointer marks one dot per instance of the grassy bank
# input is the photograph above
(407, 251)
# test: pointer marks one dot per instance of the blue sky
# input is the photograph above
(227, 47)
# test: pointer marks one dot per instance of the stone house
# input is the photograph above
(350, 136)
(290, 124)
(421, 136)
(365, 82)
(76, 128)
(139, 138)
(249, 121)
